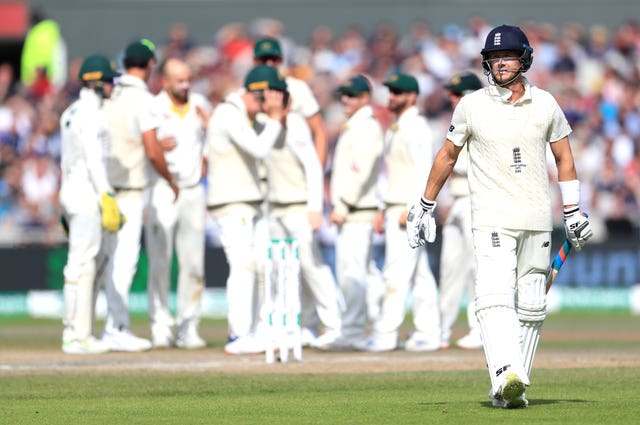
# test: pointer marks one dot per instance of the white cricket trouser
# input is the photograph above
(237, 225)
(353, 254)
(407, 269)
(85, 232)
(457, 268)
(181, 222)
(503, 257)
(123, 249)
(316, 275)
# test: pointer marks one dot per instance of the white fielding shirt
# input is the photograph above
(85, 140)
(408, 157)
(233, 147)
(185, 160)
(294, 170)
(507, 146)
(302, 100)
(356, 163)
(130, 112)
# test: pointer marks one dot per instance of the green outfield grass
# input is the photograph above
(572, 396)
(596, 395)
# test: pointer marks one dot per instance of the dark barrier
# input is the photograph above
(40, 267)
(614, 263)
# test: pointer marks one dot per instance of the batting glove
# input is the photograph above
(112, 218)
(421, 225)
(577, 227)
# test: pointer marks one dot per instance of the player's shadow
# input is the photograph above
(541, 402)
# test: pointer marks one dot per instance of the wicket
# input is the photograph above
(281, 303)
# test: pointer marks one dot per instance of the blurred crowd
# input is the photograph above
(593, 72)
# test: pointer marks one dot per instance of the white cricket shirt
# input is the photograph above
(85, 140)
(408, 158)
(294, 170)
(185, 160)
(507, 145)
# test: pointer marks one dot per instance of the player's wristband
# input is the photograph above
(568, 212)
(427, 205)
(570, 192)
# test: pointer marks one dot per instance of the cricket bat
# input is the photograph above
(560, 258)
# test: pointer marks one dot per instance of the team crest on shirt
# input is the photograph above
(495, 240)
(517, 160)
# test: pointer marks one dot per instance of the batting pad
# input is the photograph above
(531, 301)
(501, 340)
(531, 306)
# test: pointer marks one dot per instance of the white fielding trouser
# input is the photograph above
(179, 223)
(123, 249)
(457, 268)
(405, 270)
(506, 260)
(237, 235)
(85, 232)
(316, 277)
(353, 256)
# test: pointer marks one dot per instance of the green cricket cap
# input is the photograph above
(355, 86)
(267, 47)
(464, 83)
(263, 77)
(403, 82)
(142, 49)
(97, 68)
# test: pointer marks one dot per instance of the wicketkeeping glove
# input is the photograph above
(421, 225)
(112, 218)
(577, 227)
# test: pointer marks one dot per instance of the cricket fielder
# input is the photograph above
(87, 201)
(134, 146)
(407, 150)
(356, 166)
(267, 51)
(180, 222)
(295, 184)
(507, 128)
(235, 195)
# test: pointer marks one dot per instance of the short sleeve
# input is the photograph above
(458, 131)
(559, 127)
(148, 114)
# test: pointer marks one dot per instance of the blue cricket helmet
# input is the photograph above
(508, 37)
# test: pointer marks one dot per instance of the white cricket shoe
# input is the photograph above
(124, 340)
(416, 343)
(378, 344)
(308, 337)
(513, 392)
(91, 345)
(248, 344)
(335, 341)
(498, 401)
(471, 341)
(189, 339)
(161, 337)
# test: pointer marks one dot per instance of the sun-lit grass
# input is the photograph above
(157, 396)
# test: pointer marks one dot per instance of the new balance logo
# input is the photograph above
(497, 39)
(502, 369)
(545, 244)
(495, 239)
